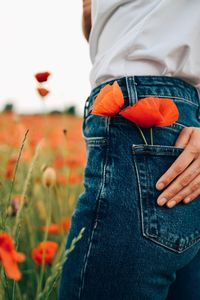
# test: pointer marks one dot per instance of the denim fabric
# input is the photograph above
(133, 249)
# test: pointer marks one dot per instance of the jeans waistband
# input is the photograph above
(135, 87)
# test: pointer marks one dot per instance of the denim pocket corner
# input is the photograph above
(177, 228)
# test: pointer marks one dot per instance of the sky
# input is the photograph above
(37, 36)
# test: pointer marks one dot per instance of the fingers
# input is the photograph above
(189, 136)
(187, 194)
(180, 164)
(184, 137)
(187, 184)
(174, 191)
(184, 172)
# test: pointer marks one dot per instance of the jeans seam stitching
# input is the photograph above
(140, 194)
(169, 96)
(97, 213)
(198, 94)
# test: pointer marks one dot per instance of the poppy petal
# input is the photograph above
(144, 113)
(169, 111)
(109, 101)
(18, 256)
(147, 118)
(152, 111)
(10, 265)
(103, 107)
(104, 91)
(118, 95)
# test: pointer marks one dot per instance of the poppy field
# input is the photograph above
(42, 160)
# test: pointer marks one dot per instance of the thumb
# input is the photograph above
(184, 137)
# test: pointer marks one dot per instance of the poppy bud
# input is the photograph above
(49, 177)
(15, 205)
(65, 131)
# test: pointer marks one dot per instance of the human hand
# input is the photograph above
(185, 170)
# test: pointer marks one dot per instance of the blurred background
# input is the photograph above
(42, 147)
(39, 36)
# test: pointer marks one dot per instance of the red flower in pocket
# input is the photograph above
(109, 101)
(152, 111)
(147, 112)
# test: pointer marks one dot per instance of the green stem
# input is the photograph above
(25, 188)
(14, 176)
(45, 114)
(39, 288)
(151, 135)
(140, 130)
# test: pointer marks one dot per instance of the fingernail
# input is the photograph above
(161, 201)
(160, 186)
(187, 200)
(172, 203)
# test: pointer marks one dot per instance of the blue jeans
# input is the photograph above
(133, 249)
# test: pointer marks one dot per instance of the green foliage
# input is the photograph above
(38, 204)
(9, 107)
(70, 110)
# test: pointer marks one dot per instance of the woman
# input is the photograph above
(141, 203)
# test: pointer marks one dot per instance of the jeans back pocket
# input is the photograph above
(176, 228)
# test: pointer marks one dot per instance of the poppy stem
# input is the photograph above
(140, 130)
(46, 233)
(151, 135)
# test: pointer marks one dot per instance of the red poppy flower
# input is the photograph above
(55, 228)
(45, 250)
(10, 257)
(42, 91)
(52, 228)
(66, 223)
(152, 111)
(10, 167)
(42, 76)
(147, 112)
(109, 100)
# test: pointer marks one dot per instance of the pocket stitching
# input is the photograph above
(119, 120)
(156, 149)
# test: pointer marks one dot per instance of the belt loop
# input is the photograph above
(198, 95)
(86, 106)
(131, 88)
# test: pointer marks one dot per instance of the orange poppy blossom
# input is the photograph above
(43, 91)
(55, 228)
(152, 111)
(42, 76)
(9, 170)
(75, 178)
(10, 257)
(146, 112)
(62, 179)
(109, 101)
(45, 250)
(66, 223)
(51, 229)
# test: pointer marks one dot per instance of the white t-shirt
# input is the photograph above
(145, 37)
